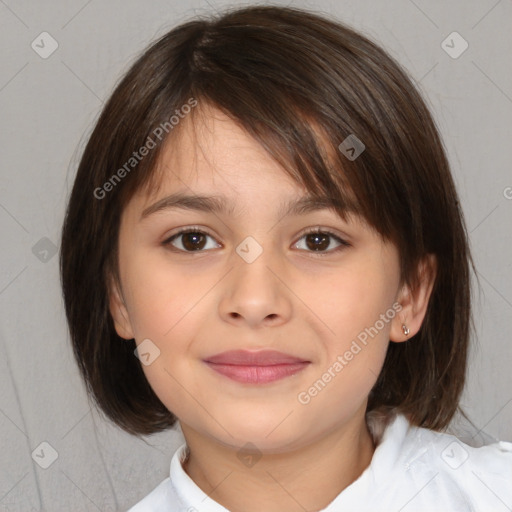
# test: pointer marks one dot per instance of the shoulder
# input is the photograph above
(443, 467)
(452, 456)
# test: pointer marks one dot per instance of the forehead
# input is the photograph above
(211, 146)
(212, 154)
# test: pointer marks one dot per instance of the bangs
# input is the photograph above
(299, 124)
(311, 160)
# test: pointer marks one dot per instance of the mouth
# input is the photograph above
(256, 367)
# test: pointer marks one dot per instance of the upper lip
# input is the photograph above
(251, 358)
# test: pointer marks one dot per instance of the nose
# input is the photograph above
(255, 294)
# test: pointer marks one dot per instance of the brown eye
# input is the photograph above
(189, 240)
(193, 241)
(318, 241)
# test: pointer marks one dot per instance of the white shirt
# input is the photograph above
(412, 470)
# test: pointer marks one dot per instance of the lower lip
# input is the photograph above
(257, 374)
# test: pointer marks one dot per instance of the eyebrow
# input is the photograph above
(220, 204)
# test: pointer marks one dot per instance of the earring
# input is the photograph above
(405, 330)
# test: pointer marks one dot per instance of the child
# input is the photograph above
(265, 244)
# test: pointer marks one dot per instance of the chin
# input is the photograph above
(269, 436)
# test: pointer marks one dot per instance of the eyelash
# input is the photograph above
(193, 229)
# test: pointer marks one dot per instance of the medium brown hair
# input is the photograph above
(300, 84)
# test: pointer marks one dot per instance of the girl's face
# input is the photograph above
(250, 278)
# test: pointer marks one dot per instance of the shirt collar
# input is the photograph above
(389, 434)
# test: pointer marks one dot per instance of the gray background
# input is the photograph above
(48, 107)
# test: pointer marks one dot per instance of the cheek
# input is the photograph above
(357, 307)
(165, 305)
(352, 300)
(161, 296)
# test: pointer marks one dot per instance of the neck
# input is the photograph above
(308, 478)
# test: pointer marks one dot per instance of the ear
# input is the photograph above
(414, 302)
(118, 311)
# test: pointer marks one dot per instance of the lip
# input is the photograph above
(254, 358)
(256, 367)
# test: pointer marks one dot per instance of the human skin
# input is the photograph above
(195, 304)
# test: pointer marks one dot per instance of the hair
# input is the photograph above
(300, 84)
